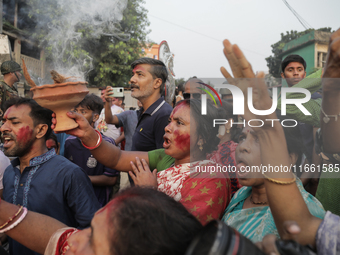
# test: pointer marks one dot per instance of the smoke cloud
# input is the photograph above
(99, 18)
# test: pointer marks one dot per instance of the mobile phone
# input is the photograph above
(117, 92)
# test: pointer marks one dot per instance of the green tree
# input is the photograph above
(274, 61)
(112, 57)
(109, 49)
(179, 81)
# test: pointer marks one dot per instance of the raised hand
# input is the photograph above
(245, 78)
(108, 93)
(330, 125)
(332, 66)
(239, 65)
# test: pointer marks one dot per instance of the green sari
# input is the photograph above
(255, 223)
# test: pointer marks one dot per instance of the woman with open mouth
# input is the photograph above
(176, 169)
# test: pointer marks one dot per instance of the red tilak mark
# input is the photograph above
(179, 106)
(182, 141)
(138, 68)
(24, 134)
(112, 205)
(109, 206)
(7, 112)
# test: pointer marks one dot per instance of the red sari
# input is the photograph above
(202, 194)
(225, 156)
(58, 243)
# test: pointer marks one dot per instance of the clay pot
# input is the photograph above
(61, 98)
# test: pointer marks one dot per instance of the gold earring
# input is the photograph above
(200, 143)
(228, 131)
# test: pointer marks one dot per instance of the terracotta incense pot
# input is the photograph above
(61, 98)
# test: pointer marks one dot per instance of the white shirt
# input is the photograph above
(4, 163)
(108, 129)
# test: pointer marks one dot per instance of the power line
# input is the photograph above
(193, 31)
(303, 22)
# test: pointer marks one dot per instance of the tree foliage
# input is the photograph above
(111, 53)
(112, 57)
(179, 81)
(274, 61)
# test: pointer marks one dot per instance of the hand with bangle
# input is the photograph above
(14, 220)
(99, 141)
(103, 151)
(84, 131)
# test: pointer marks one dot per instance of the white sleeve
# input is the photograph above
(4, 163)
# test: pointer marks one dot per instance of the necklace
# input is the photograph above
(257, 203)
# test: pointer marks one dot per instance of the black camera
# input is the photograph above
(216, 238)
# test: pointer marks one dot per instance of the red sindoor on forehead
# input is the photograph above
(7, 112)
(179, 106)
(138, 68)
(111, 205)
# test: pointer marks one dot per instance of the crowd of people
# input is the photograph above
(145, 181)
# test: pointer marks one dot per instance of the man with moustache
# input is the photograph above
(38, 179)
(147, 84)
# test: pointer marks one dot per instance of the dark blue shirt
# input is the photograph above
(50, 185)
(150, 127)
(82, 157)
(61, 137)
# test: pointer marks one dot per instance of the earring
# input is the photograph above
(221, 130)
(228, 131)
(200, 143)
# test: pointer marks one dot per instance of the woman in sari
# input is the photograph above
(188, 137)
(185, 145)
(249, 211)
(291, 215)
(138, 221)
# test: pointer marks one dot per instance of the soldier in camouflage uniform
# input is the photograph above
(11, 72)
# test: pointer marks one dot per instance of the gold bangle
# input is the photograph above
(11, 219)
(280, 182)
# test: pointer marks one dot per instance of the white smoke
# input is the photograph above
(98, 17)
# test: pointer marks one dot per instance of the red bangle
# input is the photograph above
(100, 139)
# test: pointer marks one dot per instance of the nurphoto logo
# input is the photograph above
(239, 101)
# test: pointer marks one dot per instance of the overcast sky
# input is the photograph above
(253, 24)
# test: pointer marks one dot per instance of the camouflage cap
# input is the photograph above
(9, 67)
